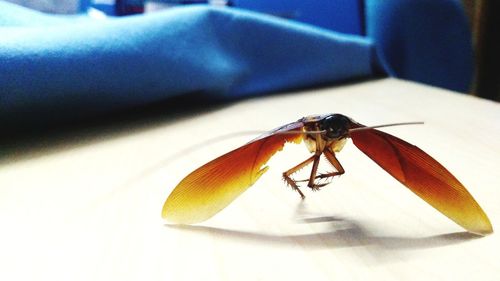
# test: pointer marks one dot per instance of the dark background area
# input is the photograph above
(484, 16)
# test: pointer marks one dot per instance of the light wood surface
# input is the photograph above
(88, 207)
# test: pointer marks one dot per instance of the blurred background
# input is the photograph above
(483, 17)
(51, 6)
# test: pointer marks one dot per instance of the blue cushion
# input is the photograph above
(55, 67)
(427, 41)
(344, 16)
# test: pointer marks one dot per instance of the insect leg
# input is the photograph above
(314, 170)
(330, 156)
(320, 147)
(292, 182)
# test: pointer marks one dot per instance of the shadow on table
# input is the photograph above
(344, 233)
(349, 234)
(366, 246)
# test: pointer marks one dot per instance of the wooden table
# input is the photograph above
(88, 207)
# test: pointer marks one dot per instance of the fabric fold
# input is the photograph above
(72, 68)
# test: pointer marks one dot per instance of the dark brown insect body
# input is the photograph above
(324, 135)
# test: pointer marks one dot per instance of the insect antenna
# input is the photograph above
(299, 132)
(386, 125)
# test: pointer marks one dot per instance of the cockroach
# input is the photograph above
(213, 186)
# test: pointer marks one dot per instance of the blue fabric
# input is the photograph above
(55, 67)
(339, 15)
(427, 41)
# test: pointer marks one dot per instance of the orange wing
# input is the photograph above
(213, 186)
(425, 177)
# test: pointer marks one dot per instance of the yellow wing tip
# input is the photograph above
(169, 214)
(177, 218)
(483, 230)
(178, 215)
(480, 226)
(164, 212)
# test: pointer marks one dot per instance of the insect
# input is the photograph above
(213, 186)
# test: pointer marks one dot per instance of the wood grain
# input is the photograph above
(91, 210)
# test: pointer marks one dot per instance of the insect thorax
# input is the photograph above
(334, 145)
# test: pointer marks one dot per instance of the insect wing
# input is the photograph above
(425, 177)
(213, 186)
